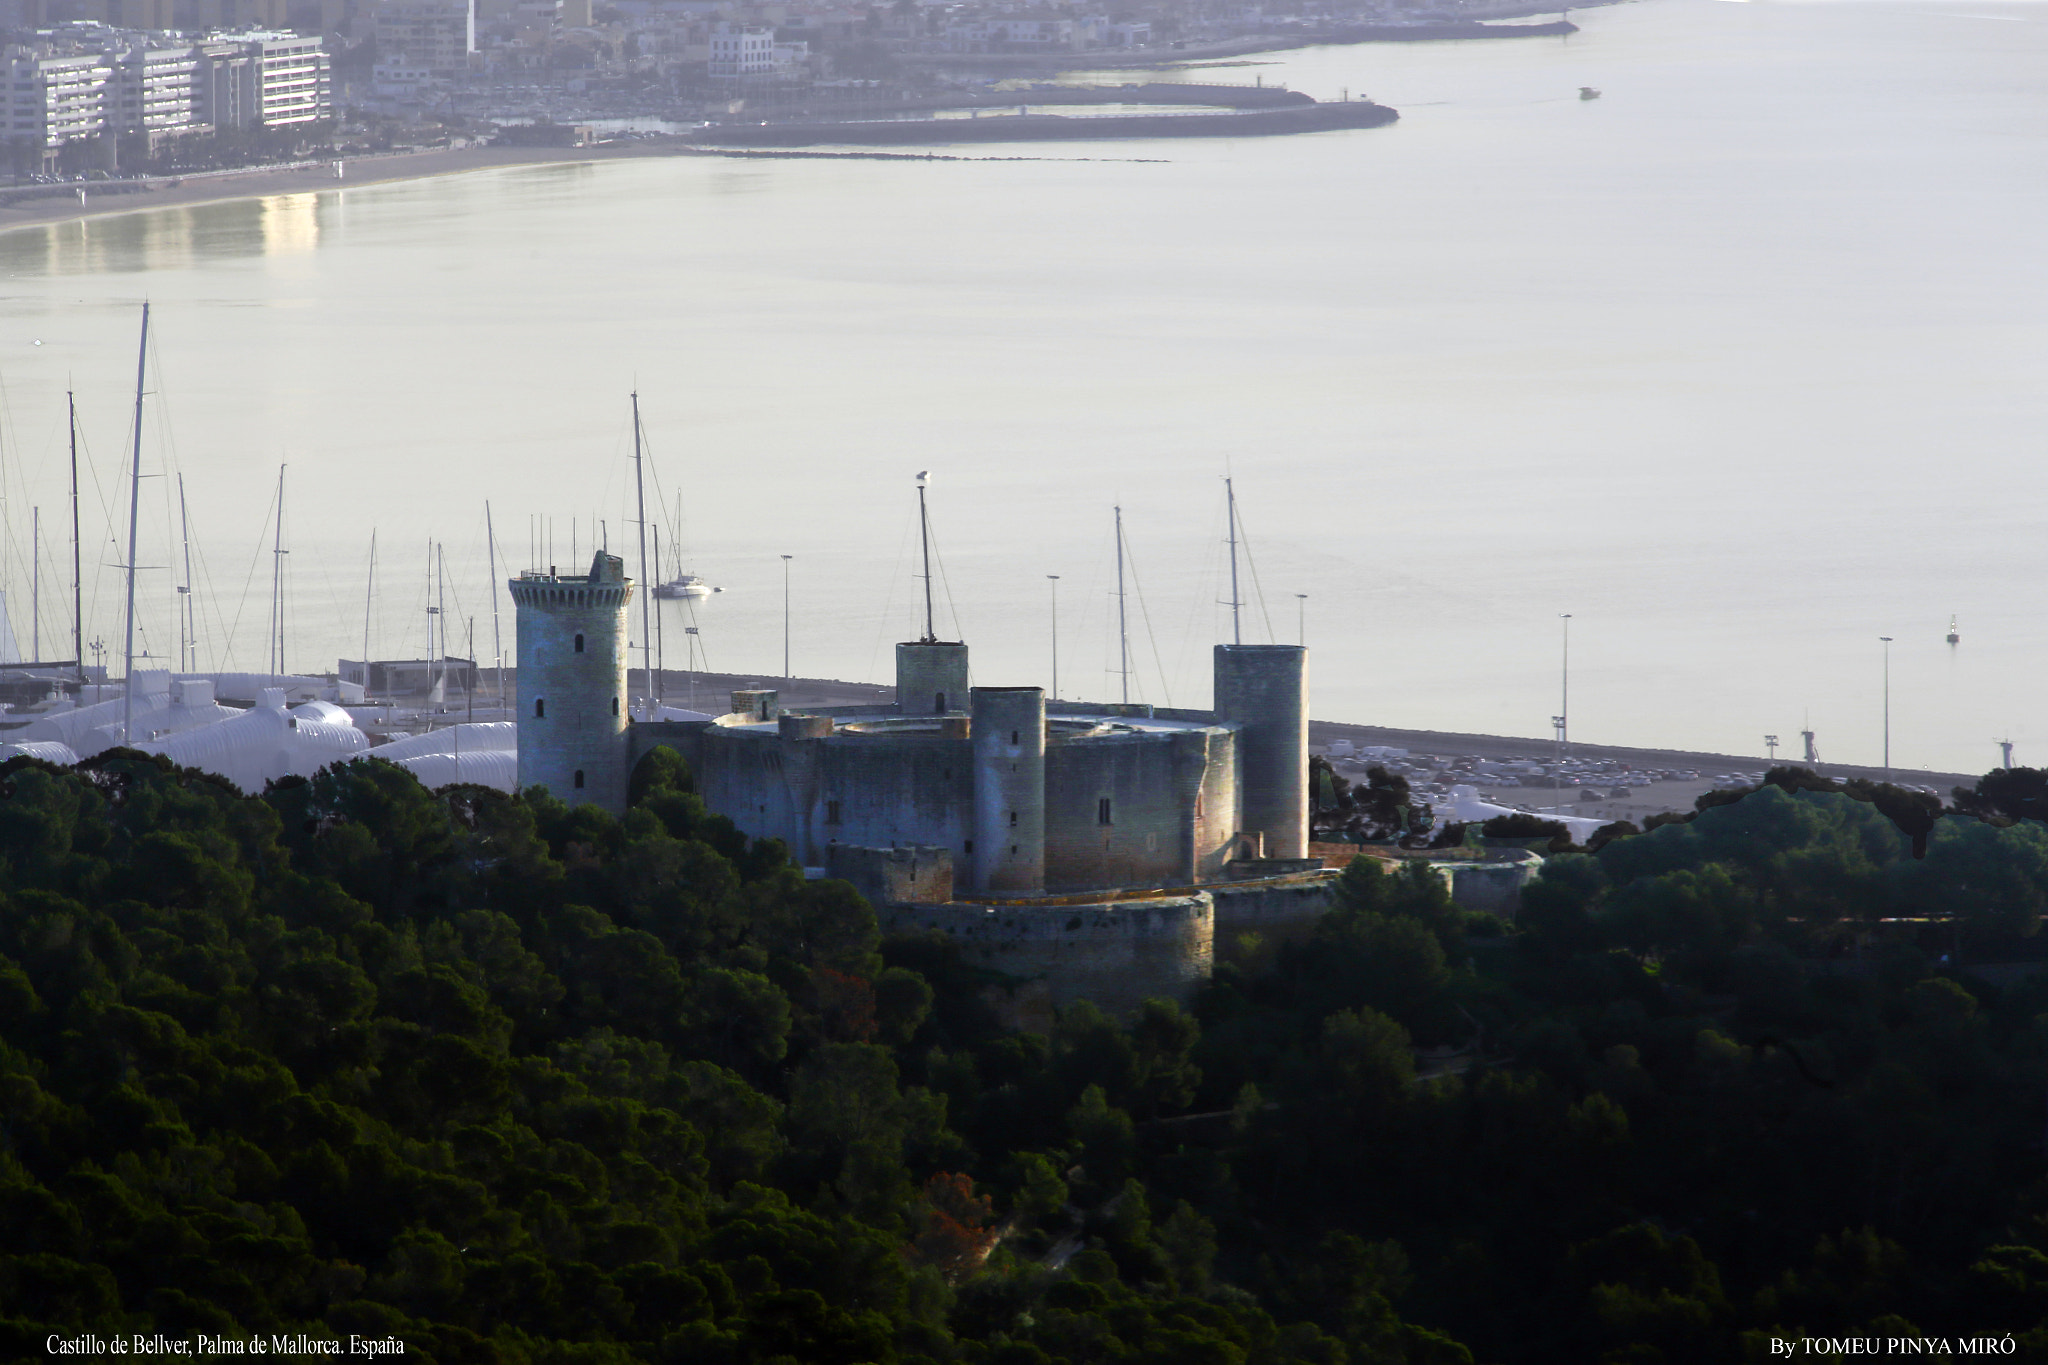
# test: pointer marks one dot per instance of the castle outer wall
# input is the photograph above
(1137, 803)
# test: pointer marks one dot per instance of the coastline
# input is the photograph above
(103, 200)
(262, 182)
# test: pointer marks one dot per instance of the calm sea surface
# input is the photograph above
(1741, 365)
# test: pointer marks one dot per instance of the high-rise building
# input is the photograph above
(52, 100)
(160, 91)
(143, 83)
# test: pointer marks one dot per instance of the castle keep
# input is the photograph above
(572, 682)
(1087, 851)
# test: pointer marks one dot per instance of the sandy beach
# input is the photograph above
(101, 200)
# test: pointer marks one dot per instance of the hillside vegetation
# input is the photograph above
(512, 1081)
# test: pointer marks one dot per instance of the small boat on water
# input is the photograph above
(1587, 92)
(686, 586)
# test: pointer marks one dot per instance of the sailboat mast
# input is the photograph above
(134, 510)
(188, 633)
(497, 646)
(432, 610)
(1236, 601)
(277, 553)
(1123, 630)
(660, 654)
(924, 536)
(77, 578)
(35, 583)
(369, 599)
(441, 610)
(646, 587)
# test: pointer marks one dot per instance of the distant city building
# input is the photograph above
(437, 34)
(162, 91)
(400, 76)
(86, 81)
(268, 80)
(1016, 35)
(53, 100)
(408, 677)
(738, 51)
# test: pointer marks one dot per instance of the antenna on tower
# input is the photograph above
(924, 535)
(1123, 631)
(1236, 599)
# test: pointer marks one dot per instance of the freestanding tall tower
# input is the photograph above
(572, 681)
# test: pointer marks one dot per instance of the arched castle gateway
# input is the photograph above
(1089, 851)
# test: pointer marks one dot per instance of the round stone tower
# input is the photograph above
(1264, 690)
(1008, 733)
(572, 682)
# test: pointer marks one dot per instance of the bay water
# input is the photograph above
(1740, 365)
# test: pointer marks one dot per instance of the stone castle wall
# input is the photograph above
(1116, 953)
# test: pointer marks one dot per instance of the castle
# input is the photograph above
(1082, 850)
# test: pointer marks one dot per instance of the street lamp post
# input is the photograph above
(785, 619)
(1301, 619)
(1054, 580)
(1887, 706)
(1771, 743)
(1564, 704)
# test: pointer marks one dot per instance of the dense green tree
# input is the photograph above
(517, 1081)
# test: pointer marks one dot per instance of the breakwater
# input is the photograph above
(1309, 118)
(1460, 29)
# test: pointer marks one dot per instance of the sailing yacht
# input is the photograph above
(685, 585)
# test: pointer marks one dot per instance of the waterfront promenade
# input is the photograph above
(29, 206)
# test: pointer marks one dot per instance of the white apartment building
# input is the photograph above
(738, 51)
(52, 100)
(144, 84)
(160, 90)
(266, 80)
(290, 79)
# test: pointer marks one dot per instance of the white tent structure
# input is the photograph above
(260, 745)
(162, 708)
(1466, 807)
(497, 768)
(485, 753)
(470, 737)
(49, 750)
